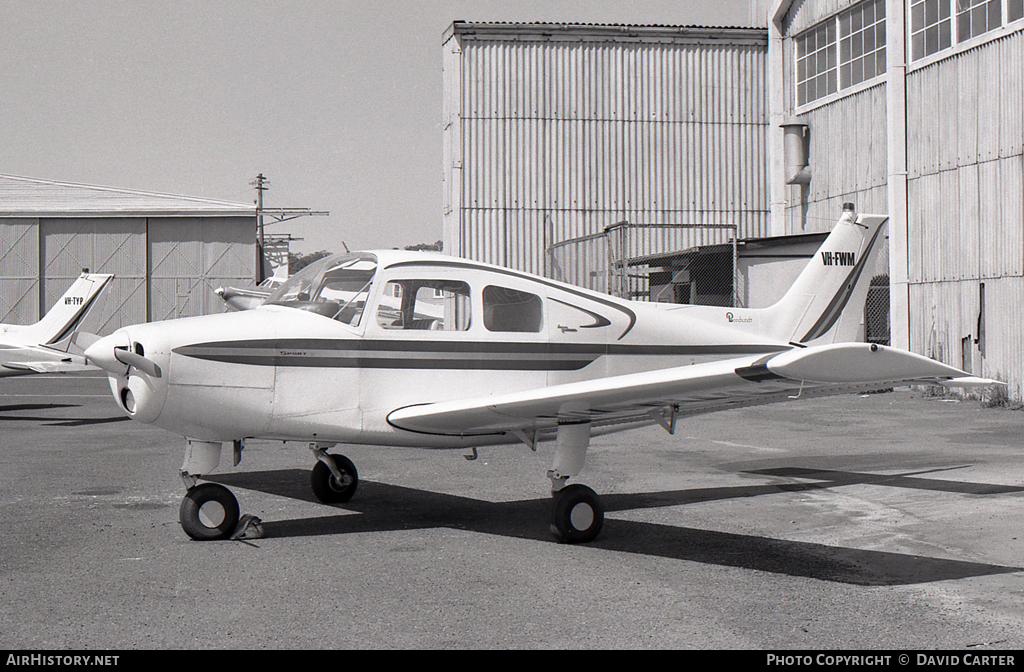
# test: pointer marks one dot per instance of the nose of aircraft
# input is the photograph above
(116, 353)
(102, 353)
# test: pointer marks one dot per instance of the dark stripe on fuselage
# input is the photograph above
(345, 353)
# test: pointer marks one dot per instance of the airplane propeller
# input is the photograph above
(133, 358)
(109, 357)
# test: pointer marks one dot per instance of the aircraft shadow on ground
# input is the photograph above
(53, 422)
(385, 507)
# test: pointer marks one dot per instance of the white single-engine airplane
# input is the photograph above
(247, 298)
(45, 347)
(510, 357)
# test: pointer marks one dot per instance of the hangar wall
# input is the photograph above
(167, 252)
(935, 138)
(556, 131)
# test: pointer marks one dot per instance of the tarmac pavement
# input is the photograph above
(883, 521)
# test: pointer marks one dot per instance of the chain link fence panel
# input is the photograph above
(666, 263)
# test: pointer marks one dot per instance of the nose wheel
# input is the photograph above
(208, 512)
(337, 485)
(577, 515)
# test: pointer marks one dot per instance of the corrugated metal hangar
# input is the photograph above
(911, 108)
(915, 108)
(167, 252)
(553, 132)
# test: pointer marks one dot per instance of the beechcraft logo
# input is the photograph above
(839, 258)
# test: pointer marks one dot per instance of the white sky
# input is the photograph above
(337, 102)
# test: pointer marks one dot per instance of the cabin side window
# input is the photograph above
(510, 310)
(431, 305)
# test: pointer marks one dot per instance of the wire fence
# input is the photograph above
(681, 263)
(666, 263)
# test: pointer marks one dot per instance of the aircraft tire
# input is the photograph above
(577, 515)
(326, 488)
(208, 512)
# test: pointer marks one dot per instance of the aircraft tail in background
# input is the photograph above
(59, 325)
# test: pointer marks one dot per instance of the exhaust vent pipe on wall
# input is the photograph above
(795, 147)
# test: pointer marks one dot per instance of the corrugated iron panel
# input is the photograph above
(966, 262)
(1004, 342)
(990, 221)
(945, 327)
(613, 129)
(848, 161)
(967, 106)
(19, 271)
(1011, 99)
(1010, 226)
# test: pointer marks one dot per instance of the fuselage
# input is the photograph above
(354, 337)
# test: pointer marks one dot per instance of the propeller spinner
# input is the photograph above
(118, 358)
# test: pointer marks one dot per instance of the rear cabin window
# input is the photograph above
(428, 305)
(510, 310)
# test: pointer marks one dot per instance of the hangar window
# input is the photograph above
(862, 43)
(931, 27)
(933, 23)
(974, 17)
(428, 305)
(510, 310)
(841, 52)
(816, 63)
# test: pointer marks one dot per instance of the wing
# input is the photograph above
(658, 396)
(48, 367)
(24, 360)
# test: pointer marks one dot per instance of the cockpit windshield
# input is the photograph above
(336, 287)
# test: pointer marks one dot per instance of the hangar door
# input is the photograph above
(19, 271)
(103, 245)
(192, 256)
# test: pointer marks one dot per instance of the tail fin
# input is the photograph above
(825, 303)
(59, 325)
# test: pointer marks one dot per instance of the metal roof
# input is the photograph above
(29, 197)
(604, 31)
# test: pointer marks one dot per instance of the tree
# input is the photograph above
(426, 247)
(297, 262)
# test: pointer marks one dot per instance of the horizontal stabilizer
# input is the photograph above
(970, 381)
(84, 339)
(857, 363)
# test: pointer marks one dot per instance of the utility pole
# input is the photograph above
(277, 215)
(260, 183)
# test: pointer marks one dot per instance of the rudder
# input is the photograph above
(825, 303)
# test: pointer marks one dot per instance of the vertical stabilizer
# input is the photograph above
(826, 303)
(60, 323)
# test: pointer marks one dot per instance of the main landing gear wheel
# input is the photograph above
(209, 511)
(577, 515)
(327, 488)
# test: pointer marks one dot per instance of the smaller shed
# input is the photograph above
(167, 252)
(767, 267)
